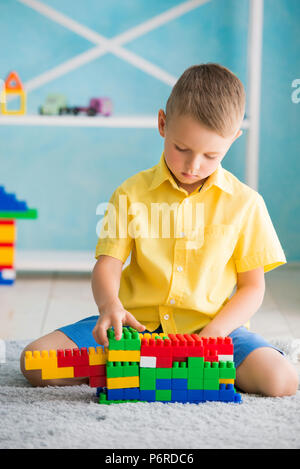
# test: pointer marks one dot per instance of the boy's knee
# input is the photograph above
(282, 381)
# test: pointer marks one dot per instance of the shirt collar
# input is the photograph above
(217, 178)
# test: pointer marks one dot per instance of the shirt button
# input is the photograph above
(179, 268)
(172, 301)
(166, 317)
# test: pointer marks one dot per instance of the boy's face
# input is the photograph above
(192, 152)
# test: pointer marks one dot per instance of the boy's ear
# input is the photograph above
(161, 122)
(237, 135)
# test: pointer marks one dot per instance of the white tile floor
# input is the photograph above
(38, 304)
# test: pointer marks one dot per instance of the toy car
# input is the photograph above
(101, 106)
(53, 104)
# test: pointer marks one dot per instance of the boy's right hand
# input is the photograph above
(114, 316)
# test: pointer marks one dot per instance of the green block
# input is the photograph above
(148, 379)
(114, 344)
(227, 370)
(163, 395)
(195, 362)
(194, 372)
(163, 373)
(211, 371)
(195, 383)
(114, 370)
(132, 339)
(131, 369)
(179, 370)
(212, 385)
(30, 213)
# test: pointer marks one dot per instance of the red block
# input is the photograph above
(90, 370)
(225, 345)
(73, 357)
(194, 346)
(164, 362)
(148, 347)
(97, 381)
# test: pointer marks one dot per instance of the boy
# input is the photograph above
(184, 269)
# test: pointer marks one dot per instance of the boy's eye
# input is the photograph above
(180, 149)
(210, 157)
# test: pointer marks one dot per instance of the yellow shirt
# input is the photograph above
(184, 264)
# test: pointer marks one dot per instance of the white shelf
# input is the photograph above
(56, 261)
(84, 121)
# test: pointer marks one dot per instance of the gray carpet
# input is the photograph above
(70, 418)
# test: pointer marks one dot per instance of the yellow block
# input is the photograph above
(125, 382)
(226, 381)
(98, 357)
(47, 362)
(58, 373)
(37, 360)
(16, 112)
(124, 355)
(7, 233)
(6, 255)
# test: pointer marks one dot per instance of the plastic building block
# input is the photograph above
(179, 395)
(175, 368)
(98, 356)
(10, 208)
(148, 362)
(163, 384)
(179, 383)
(163, 395)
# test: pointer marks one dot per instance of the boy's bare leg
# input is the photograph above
(55, 340)
(266, 371)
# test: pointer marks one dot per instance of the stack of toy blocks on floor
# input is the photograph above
(148, 367)
(10, 209)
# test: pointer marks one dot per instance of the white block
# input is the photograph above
(147, 362)
(225, 358)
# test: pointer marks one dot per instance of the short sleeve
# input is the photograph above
(258, 244)
(113, 238)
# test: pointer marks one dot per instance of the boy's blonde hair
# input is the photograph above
(211, 94)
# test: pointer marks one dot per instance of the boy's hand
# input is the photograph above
(114, 316)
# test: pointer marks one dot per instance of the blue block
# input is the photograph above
(148, 396)
(237, 398)
(226, 392)
(195, 395)
(179, 395)
(115, 394)
(210, 395)
(131, 393)
(179, 383)
(98, 391)
(163, 384)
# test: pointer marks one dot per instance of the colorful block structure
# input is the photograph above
(10, 209)
(148, 367)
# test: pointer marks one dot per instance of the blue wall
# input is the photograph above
(66, 172)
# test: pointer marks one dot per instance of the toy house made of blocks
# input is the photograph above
(148, 367)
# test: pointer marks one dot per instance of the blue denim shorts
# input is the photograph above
(244, 341)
